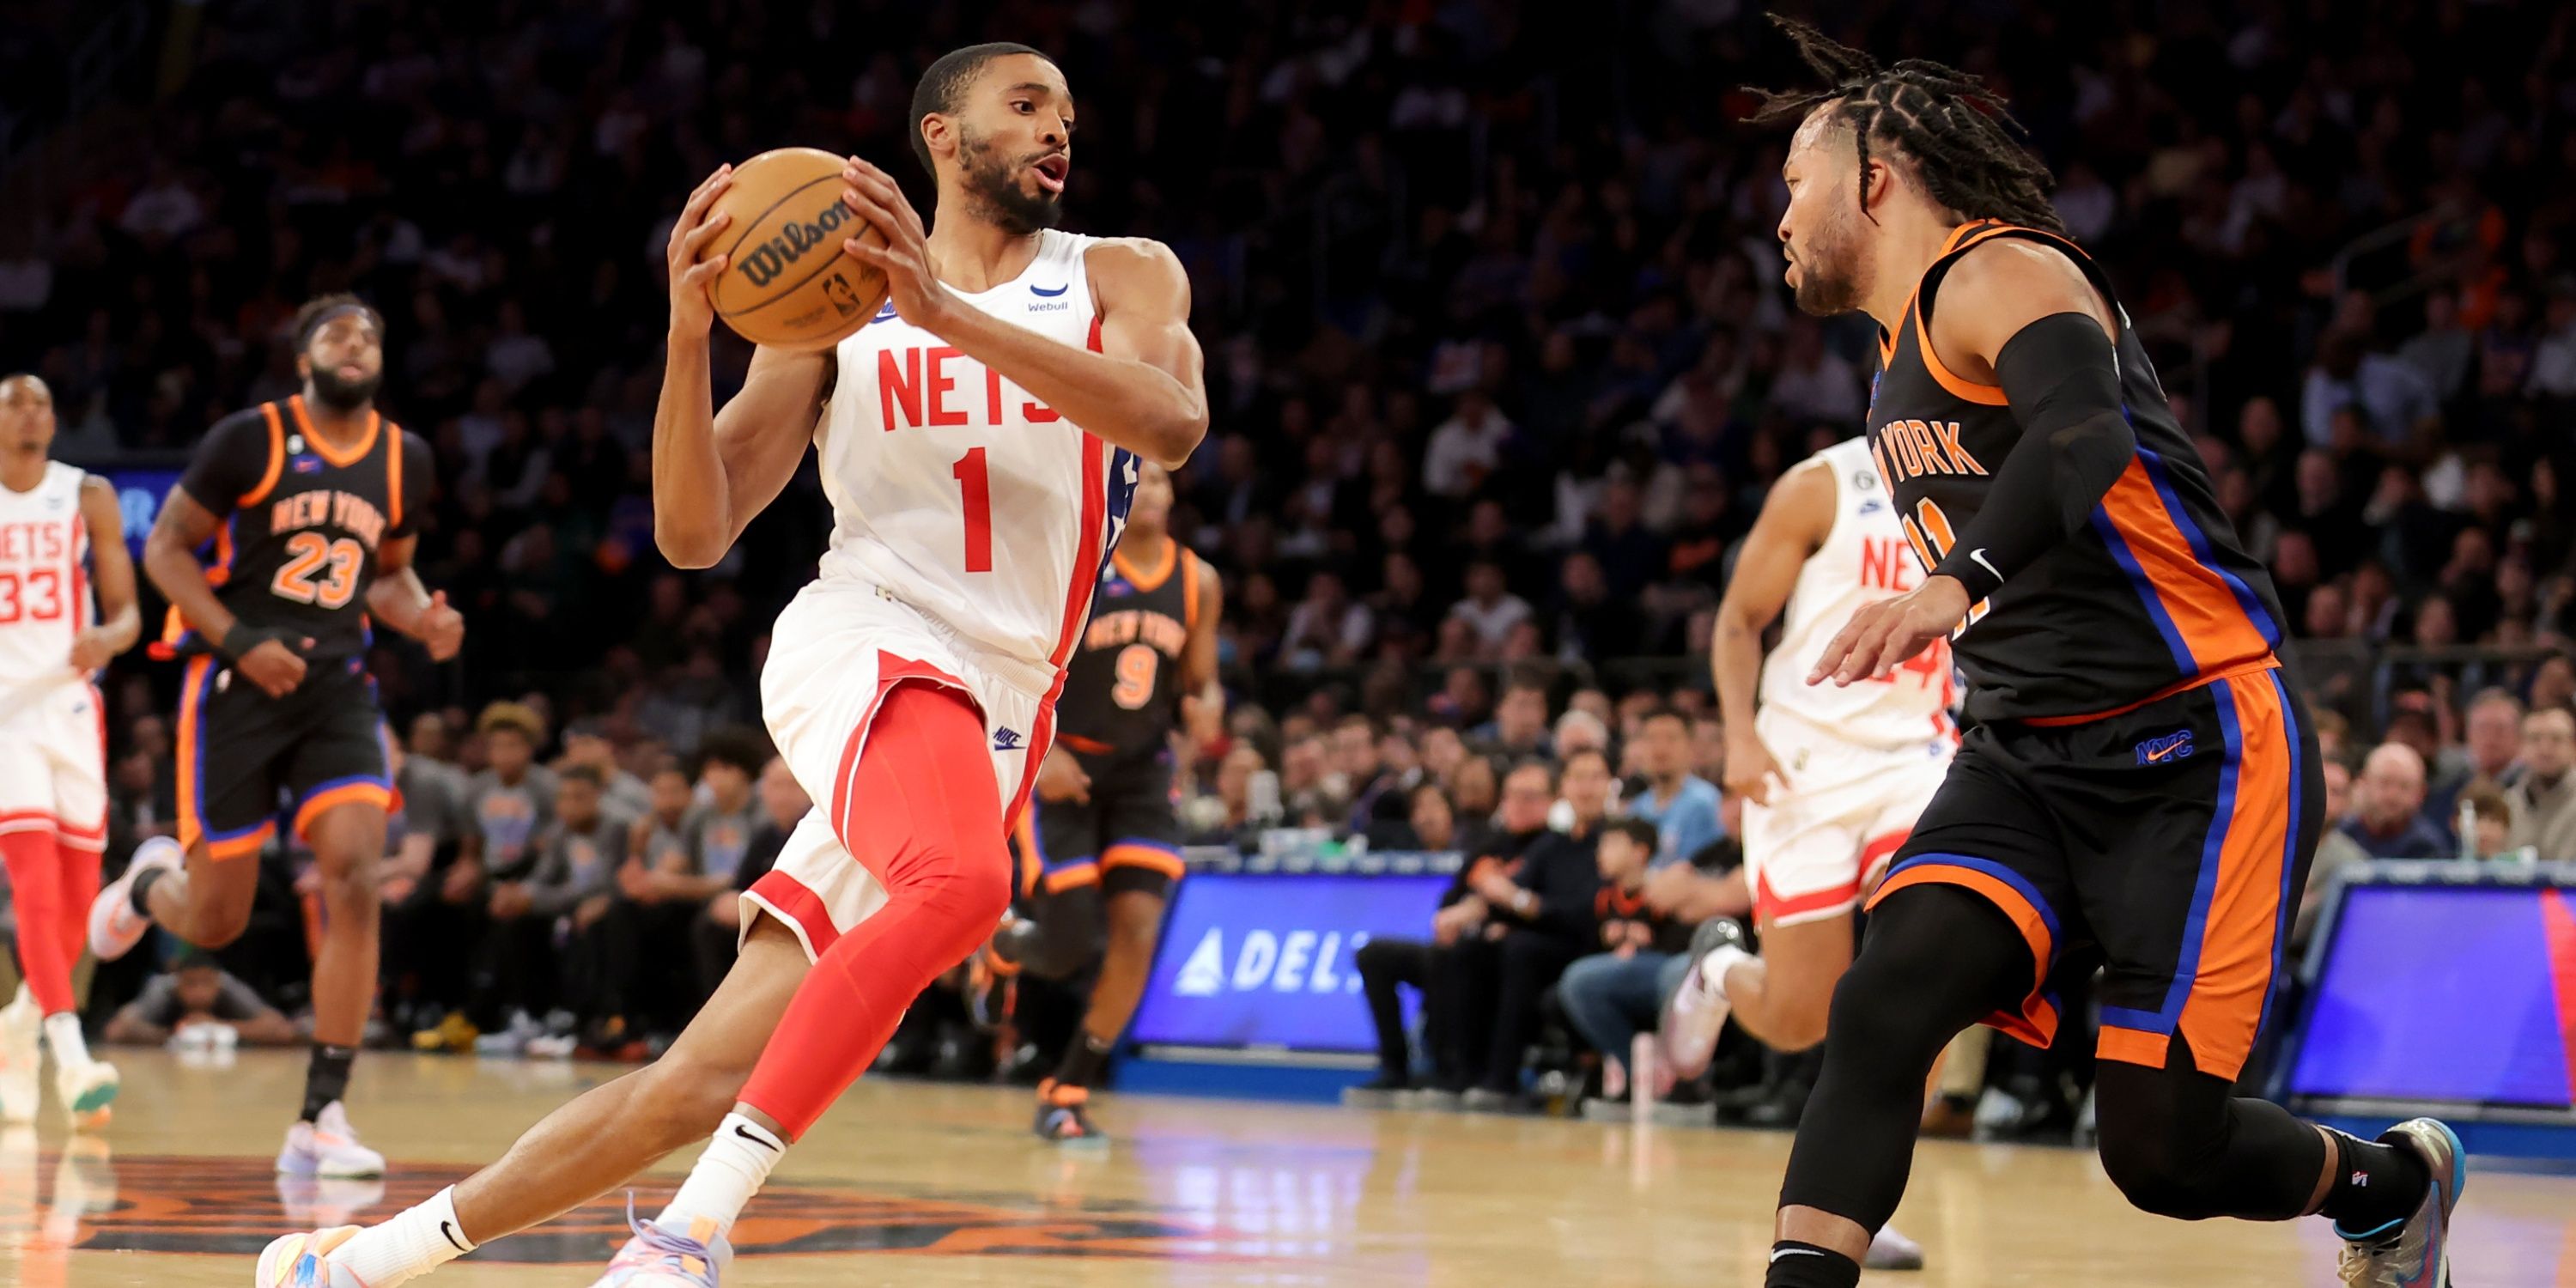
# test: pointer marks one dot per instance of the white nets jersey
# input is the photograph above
(1864, 559)
(957, 492)
(44, 583)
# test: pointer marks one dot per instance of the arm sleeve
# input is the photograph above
(229, 461)
(2062, 379)
(419, 476)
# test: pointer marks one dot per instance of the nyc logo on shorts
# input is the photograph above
(2171, 747)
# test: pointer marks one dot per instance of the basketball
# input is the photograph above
(787, 284)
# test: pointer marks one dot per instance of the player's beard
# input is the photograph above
(1830, 272)
(344, 395)
(992, 182)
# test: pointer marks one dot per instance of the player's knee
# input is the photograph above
(1873, 1010)
(2156, 1177)
(350, 885)
(1135, 920)
(1796, 1027)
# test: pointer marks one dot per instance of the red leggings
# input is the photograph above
(52, 885)
(924, 815)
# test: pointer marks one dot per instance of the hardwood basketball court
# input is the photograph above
(928, 1186)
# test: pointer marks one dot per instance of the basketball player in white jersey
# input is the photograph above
(1832, 778)
(979, 442)
(60, 533)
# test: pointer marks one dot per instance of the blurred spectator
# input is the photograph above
(1456, 1002)
(1489, 614)
(511, 801)
(783, 803)
(1680, 804)
(1537, 920)
(195, 994)
(586, 742)
(2544, 799)
(1519, 727)
(1613, 994)
(2336, 849)
(2387, 821)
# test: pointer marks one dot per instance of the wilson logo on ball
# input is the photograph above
(762, 264)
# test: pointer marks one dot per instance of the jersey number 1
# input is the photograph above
(308, 553)
(976, 485)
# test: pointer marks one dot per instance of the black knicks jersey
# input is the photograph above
(1122, 690)
(301, 521)
(2155, 594)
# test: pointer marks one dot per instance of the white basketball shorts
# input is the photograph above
(53, 762)
(1823, 843)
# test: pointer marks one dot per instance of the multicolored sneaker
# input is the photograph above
(1696, 1012)
(2414, 1252)
(114, 926)
(328, 1146)
(1061, 1116)
(658, 1258)
(86, 1086)
(304, 1261)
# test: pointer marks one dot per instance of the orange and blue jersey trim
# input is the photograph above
(357, 789)
(1153, 856)
(2208, 617)
(239, 842)
(1043, 872)
(2233, 938)
(2017, 899)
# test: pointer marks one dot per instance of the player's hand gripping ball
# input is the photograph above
(778, 224)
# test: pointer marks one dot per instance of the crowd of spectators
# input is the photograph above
(1499, 364)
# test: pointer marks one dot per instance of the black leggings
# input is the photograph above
(1936, 959)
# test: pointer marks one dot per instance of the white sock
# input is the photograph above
(23, 1004)
(63, 1034)
(1721, 959)
(735, 1166)
(416, 1241)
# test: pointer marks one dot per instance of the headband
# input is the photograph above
(332, 314)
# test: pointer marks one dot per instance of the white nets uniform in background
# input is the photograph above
(1860, 762)
(969, 526)
(53, 731)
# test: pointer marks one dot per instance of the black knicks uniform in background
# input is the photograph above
(296, 552)
(1122, 696)
(2140, 786)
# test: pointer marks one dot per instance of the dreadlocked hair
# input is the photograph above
(1955, 129)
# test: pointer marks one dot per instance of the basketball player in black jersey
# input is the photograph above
(1100, 847)
(311, 506)
(2140, 791)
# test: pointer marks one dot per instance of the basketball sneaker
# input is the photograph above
(1696, 1012)
(1062, 1117)
(114, 926)
(304, 1260)
(2414, 1252)
(20, 1062)
(86, 1086)
(658, 1258)
(328, 1146)
(1889, 1250)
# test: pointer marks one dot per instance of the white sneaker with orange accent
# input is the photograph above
(304, 1260)
(114, 926)
(659, 1258)
(328, 1146)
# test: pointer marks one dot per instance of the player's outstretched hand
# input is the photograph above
(911, 286)
(692, 313)
(442, 629)
(1883, 636)
(273, 666)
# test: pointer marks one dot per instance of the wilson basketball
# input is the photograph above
(787, 284)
